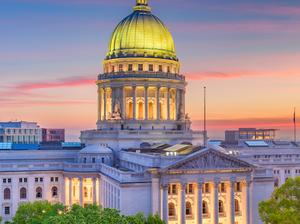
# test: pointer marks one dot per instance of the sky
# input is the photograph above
(247, 54)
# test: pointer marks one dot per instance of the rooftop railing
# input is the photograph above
(141, 74)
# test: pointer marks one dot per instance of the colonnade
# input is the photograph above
(228, 203)
(148, 102)
(83, 191)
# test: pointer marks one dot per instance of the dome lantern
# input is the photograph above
(142, 5)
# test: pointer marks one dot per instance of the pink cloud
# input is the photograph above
(260, 26)
(271, 10)
(63, 83)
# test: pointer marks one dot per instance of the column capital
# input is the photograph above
(164, 185)
(201, 181)
(217, 181)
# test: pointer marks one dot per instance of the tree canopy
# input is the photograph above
(284, 205)
(43, 212)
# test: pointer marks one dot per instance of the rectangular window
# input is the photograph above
(52, 179)
(169, 70)
(41, 179)
(120, 68)
(36, 179)
(25, 180)
(222, 188)
(160, 68)
(56, 179)
(151, 68)
(174, 189)
(206, 188)
(112, 68)
(190, 189)
(141, 67)
(20, 180)
(7, 210)
(4, 181)
(9, 180)
(238, 187)
(130, 67)
(93, 160)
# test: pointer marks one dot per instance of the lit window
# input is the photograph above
(188, 208)
(204, 208)
(160, 68)
(141, 67)
(120, 68)
(151, 68)
(171, 210)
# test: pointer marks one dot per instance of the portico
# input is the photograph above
(82, 190)
(208, 188)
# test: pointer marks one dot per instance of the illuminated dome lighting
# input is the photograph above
(141, 34)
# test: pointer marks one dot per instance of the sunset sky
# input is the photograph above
(247, 53)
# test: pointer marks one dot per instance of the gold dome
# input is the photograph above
(141, 34)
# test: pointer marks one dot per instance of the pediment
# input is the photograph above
(209, 159)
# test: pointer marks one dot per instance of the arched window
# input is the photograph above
(23, 193)
(6, 194)
(221, 206)
(188, 208)
(236, 205)
(54, 191)
(204, 208)
(85, 192)
(39, 192)
(171, 209)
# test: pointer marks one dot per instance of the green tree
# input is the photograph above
(284, 205)
(45, 213)
(35, 213)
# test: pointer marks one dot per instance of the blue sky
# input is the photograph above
(246, 52)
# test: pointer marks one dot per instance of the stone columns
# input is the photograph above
(94, 191)
(70, 191)
(123, 103)
(158, 103)
(216, 202)
(165, 214)
(155, 195)
(183, 205)
(134, 102)
(105, 103)
(232, 203)
(81, 191)
(99, 105)
(200, 209)
(168, 104)
(146, 103)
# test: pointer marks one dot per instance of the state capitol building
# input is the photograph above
(143, 156)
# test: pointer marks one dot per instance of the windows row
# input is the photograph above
(25, 180)
(189, 210)
(139, 67)
(206, 188)
(23, 193)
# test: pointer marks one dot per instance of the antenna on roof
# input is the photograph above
(204, 120)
